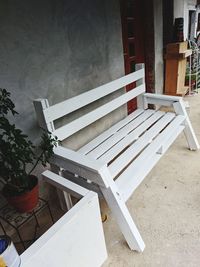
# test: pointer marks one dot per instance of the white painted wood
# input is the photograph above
(128, 189)
(79, 164)
(120, 134)
(163, 97)
(68, 200)
(76, 239)
(78, 158)
(171, 139)
(125, 158)
(61, 196)
(121, 151)
(133, 136)
(128, 185)
(141, 101)
(87, 119)
(40, 105)
(191, 138)
(161, 100)
(142, 79)
(64, 184)
(106, 134)
(123, 217)
(61, 109)
(83, 183)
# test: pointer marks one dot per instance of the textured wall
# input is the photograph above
(158, 42)
(57, 49)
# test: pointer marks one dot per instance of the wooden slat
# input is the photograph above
(77, 158)
(138, 177)
(99, 139)
(64, 184)
(150, 156)
(78, 124)
(40, 105)
(162, 100)
(115, 138)
(79, 164)
(170, 140)
(61, 109)
(163, 97)
(124, 159)
(82, 183)
(115, 150)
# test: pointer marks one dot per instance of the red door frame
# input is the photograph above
(139, 14)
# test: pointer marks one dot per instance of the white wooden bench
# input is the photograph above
(76, 239)
(118, 159)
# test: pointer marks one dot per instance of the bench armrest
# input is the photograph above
(79, 164)
(163, 100)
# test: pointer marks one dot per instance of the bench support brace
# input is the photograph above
(179, 108)
(123, 217)
(64, 197)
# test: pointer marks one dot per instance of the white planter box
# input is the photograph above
(75, 240)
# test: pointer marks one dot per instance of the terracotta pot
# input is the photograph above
(27, 201)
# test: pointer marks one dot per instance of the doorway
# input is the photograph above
(138, 41)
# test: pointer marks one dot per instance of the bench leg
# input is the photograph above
(64, 197)
(123, 217)
(179, 108)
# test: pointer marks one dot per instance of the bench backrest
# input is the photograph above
(48, 114)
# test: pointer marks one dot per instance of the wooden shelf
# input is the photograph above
(176, 68)
(182, 55)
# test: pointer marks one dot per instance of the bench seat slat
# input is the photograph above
(125, 158)
(119, 135)
(150, 156)
(115, 150)
(87, 119)
(62, 109)
(100, 138)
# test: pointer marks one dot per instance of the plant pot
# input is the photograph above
(27, 201)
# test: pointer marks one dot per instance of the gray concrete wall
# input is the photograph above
(58, 49)
(158, 41)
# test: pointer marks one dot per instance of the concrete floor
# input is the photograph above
(166, 209)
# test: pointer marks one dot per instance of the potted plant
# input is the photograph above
(190, 78)
(19, 158)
